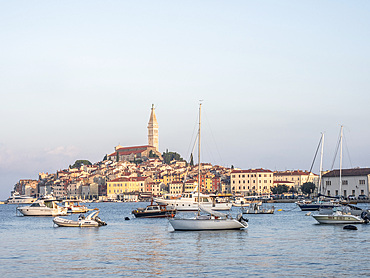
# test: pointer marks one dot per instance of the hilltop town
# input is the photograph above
(136, 172)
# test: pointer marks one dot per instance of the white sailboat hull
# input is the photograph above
(206, 224)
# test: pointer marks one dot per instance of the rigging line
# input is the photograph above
(336, 152)
(191, 140)
(314, 159)
(345, 143)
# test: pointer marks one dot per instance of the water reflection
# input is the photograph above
(285, 244)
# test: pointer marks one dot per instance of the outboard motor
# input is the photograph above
(240, 218)
(365, 216)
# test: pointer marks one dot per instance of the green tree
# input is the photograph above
(169, 156)
(308, 187)
(117, 156)
(80, 162)
(279, 189)
(152, 154)
(105, 158)
(191, 160)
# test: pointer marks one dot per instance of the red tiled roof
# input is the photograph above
(129, 179)
(349, 172)
(251, 171)
(283, 182)
(291, 173)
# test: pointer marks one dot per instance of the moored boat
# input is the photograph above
(43, 207)
(189, 202)
(155, 211)
(209, 220)
(16, 198)
(74, 206)
(91, 220)
(338, 216)
(258, 208)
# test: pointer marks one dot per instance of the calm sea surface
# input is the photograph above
(285, 244)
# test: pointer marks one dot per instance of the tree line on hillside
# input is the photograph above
(306, 188)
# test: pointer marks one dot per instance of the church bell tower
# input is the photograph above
(153, 130)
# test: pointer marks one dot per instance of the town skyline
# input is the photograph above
(79, 80)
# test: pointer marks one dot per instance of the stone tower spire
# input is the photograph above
(153, 130)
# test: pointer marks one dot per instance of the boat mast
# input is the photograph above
(200, 107)
(322, 153)
(340, 161)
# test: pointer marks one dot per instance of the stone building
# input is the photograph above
(253, 181)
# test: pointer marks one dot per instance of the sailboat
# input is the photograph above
(340, 214)
(319, 204)
(206, 218)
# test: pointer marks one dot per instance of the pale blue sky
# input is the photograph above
(79, 77)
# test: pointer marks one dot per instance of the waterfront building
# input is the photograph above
(126, 185)
(354, 182)
(296, 178)
(156, 188)
(190, 185)
(175, 188)
(253, 181)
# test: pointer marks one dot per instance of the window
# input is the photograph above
(345, 182)
(362, 181)
(328, 192)
(328, 183)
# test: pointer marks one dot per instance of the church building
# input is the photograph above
(140, 152)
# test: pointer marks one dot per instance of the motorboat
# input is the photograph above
(258, 208)
(74, 206)
(46, 206)
(209, 220)
(155, 211)
(91, 220)
(16, 198)
(189, 202)
(340, 216)
(308, 205)
(240, 202)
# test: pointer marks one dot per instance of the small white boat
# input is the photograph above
(257, 208)
(91, 220)
(211, 220)
(43, 207)
(240, 202)
(74, 206)
(338, 216)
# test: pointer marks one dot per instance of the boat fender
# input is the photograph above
(350, 227)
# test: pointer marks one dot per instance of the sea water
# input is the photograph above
(285, 244)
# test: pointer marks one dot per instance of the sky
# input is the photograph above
(77, 78)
